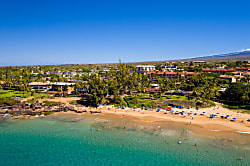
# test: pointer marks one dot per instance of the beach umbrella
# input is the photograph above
(234, 118)
(174, 106)
(169, 109)
(158, 109)
(176, 111)
(228, 115)
(183, 111)
(204, 112)
(218, 113)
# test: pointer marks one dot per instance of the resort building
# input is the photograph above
(243, 69)
(170, 68)
(63, 87)
(171, 75)
(40, 86)
(145, 68)
(219, 71)
(232, 79)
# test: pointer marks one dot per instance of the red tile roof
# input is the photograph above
(243, 68)
(218, 69)
(174, 73)
(170, 73)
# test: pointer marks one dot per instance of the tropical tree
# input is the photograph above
(97, 91)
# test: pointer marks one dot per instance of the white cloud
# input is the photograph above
(248, 49)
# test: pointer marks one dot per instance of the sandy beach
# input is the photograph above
(214, 124)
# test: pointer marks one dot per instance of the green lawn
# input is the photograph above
(138, 102)
(174, 97)
(19, 94)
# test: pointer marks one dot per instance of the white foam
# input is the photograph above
(243, 132)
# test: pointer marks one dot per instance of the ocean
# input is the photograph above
(115, 140)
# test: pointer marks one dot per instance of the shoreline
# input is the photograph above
(214, 124)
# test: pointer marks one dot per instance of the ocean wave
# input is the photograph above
(243, 132)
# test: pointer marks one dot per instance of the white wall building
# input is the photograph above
(143, 68)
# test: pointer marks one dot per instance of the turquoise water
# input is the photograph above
(80, 140)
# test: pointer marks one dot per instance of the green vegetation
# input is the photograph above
(8, 101)
(174, 97)
(20, 94)
(139, 102)
(50, 103)
(243, 109)
(118, 84)
(74, 102)
(237, 96)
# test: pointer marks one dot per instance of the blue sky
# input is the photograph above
(94, 31)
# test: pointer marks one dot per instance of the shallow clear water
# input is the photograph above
(79, 140)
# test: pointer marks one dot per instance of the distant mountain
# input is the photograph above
(235, 56)
(241, 55)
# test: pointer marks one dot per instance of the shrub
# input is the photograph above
(74, 102)
(49, 103)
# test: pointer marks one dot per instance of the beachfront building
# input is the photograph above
(145, 68)
(63, 87)
(40, 86)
